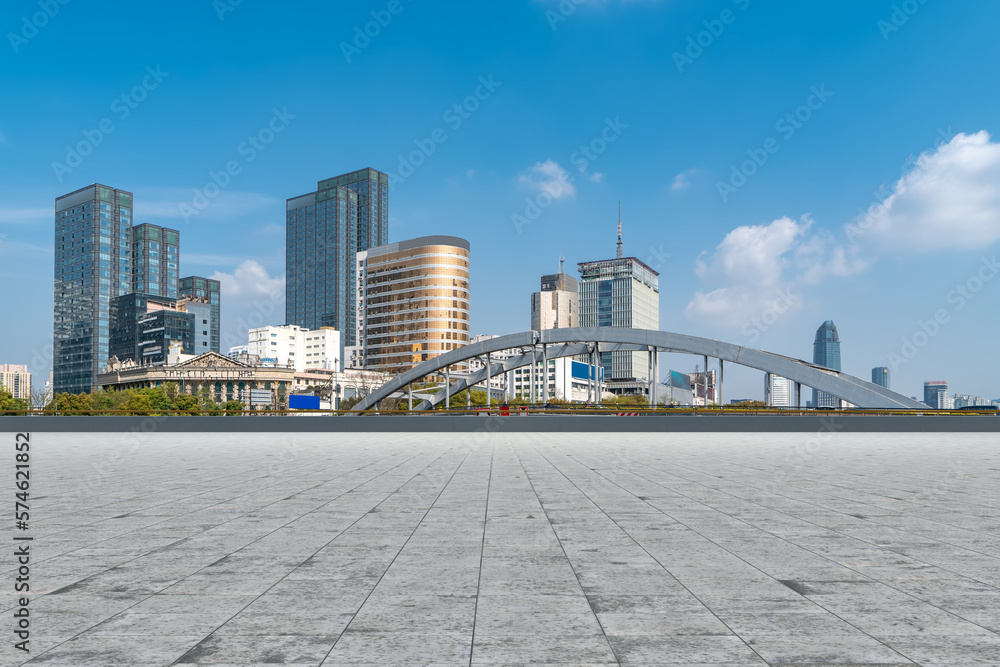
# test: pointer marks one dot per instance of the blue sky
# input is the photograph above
(672, 97)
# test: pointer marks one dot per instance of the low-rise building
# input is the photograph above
(333, 386)
(296, 346)
(225, 379)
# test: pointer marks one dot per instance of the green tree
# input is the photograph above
(187, 404)
(10, 405)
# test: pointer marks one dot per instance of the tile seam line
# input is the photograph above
(173, 583)
(569, 562)
(482, 551)
(168, 519)
(339, 533)
(806, 521)
(403, 546)
(834, 614)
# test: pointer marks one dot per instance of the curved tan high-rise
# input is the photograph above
(413, 301)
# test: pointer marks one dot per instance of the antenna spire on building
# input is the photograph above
(619, 230)
(562, 261)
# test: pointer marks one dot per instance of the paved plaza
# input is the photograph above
(472, 549)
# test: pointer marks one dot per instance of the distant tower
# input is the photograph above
(619, 230)
(826, 353)
(880, 376)
(621, 292)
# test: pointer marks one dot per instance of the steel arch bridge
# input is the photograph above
(538, 346)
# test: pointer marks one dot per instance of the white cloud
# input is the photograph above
(550, 178)
(269, 230)
(251, 297)
(756, 268)
(682, 181)
(165, 204)
(16, 216)
(597, 177)
(950, 200)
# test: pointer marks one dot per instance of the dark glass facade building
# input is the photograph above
(207, 291)
(324, 231)
(93, 239)
(936, 394)
(621, 292)
(880, 376)
(145, 325)
(155, 257)
(826, 353)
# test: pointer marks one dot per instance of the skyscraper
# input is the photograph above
(205, 290)
(936, 394)
(93, 238)
(826, 353)
(155, 256)
(557, 305)
(880, 376)
(414, 301)
(324, 232)
(621, 292)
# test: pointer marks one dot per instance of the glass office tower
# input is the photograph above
(880, 376)
(93, 238)
(621, 292)
(155, 256)
(208, 291)
(324, 231)
(826, 353)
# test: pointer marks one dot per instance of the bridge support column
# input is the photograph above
(545, 374)
(649, 375)
(722, 378)
(595, 358)
(532, 376)
(798, 395)
(656, 373)
(409, 396)
(706, 380)
(767, 389)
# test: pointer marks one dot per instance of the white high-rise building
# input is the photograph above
(781, 392)
(557, 305)
(295, 346)
(16, 379)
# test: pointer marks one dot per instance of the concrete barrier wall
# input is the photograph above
(520, 424)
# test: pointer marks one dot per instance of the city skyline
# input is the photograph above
(826, 241)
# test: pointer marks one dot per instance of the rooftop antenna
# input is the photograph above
(619, 230)
(562, 260)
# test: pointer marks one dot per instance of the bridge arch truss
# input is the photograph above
(541, 346)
